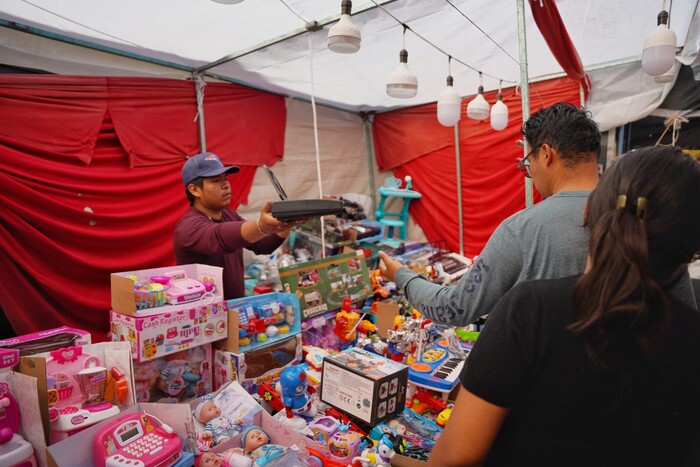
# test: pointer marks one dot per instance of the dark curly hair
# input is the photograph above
(568, 129)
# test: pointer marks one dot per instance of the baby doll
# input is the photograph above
(229, 458)
(217, 428)
(256, 444)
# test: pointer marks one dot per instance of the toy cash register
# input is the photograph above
(136, 440)
(182, 289)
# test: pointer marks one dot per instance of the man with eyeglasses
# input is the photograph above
(544, 241)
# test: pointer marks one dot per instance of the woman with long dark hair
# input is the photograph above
(602, 368)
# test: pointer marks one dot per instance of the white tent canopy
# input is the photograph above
(274, 52)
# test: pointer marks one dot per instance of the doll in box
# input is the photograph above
(217, 428)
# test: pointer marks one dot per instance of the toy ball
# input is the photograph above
(272, 331)
(261, 337)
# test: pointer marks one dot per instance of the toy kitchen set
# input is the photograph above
(162, 311)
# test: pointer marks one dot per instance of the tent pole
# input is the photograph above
(459, 190)
(524, 87)
(368, 120)
(199, 89)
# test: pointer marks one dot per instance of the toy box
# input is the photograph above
(176, 377)
(154, 291)
(364, 385)
(43, 341)
(159, 335)
(261, 320)
(321, 285)
(254, 367)
(77, 451)
(80, 385)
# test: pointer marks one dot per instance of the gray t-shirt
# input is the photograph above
(544, 241)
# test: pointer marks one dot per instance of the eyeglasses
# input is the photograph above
(524, 164)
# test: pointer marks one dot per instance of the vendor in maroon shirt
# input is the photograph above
(211, 233)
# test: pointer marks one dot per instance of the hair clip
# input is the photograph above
(641, 208)
(621, 201)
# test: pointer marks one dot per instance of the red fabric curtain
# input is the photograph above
(551, 26)
(84, 197)
(492, 187)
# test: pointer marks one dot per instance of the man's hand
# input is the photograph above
(269, 225)
(388, 266)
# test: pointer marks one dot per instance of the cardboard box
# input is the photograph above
(125, 301)
(159, 335)
(257, 366)
(364, 385)
(43, 341)
(248, 318)
(77, 451)
(176, 377)
(321, 285)
(387, 310)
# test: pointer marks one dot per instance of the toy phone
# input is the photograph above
(136, 440)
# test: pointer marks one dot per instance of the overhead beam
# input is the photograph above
(291, 34)
(91, 45)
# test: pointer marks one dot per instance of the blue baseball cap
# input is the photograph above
(205, 164)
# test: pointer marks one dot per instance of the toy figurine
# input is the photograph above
(346, 322)
(380, 455)
(297, 396)
(217, 428)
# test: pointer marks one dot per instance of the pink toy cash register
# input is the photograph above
(182, 289)
(14, 450)
(136, 440)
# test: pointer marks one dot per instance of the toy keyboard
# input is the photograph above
(436, 368)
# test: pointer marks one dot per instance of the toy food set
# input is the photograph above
(14, 450)
(152, 291)
(364, 385)
(256, 366)
(166, 333)
(322, 284)
(43, 341)
(223, 414)
(261, 320)
(176, 377)
(136, 439)
(144, 435)
(84, 385)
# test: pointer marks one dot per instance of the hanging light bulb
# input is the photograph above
(659, 48)
(449, 104)
(401, 83)
(478, 108)
(344, 37)
(227, 2)
(499, 112)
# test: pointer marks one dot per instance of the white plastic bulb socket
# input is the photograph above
(344, 37)
(449, 105)
(667, 77)
(401, 83)
(499, 115)
(659, 48)
(478, 108)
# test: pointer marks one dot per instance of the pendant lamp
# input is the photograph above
(401, 83)
(499, 113)
(344, 37)
(478, 108)
(659, 48)
(449, 104)
(227, 2)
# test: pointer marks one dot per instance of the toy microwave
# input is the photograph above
(136, 440)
